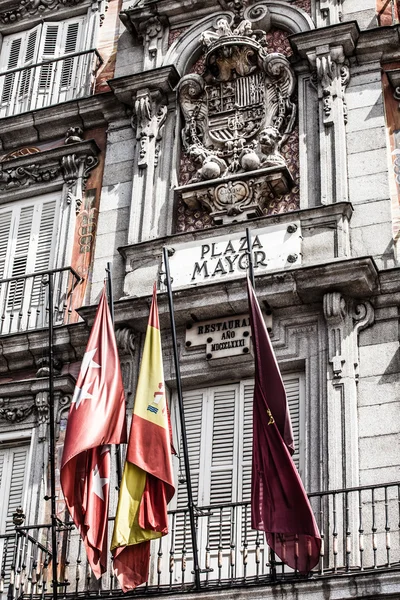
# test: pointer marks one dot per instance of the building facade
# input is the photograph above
(126, 128)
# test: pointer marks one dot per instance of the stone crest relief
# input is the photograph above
(237, 115)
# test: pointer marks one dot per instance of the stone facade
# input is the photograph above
(203, 119)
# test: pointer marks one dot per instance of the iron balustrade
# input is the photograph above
(360, 530)
(24, 300)
(49, 82)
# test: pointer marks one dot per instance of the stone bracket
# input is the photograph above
(239, 196)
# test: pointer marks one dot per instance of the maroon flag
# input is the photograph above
(96, 419)
(279, 504)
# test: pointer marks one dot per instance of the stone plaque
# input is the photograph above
(227, 336)
(223, 337)
(277, 247)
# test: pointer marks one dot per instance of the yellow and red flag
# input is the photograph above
(147, 482)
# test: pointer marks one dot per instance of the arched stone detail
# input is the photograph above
(184, 51)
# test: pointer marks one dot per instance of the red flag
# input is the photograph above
(279, 503)
(147, 483)
(96, 419)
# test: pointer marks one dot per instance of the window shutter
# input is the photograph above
(48, 51)
(26, 76)
(10, 56)
(13, 468)
(193, 402)
(5, 230)
(70, 46)
(292, 387)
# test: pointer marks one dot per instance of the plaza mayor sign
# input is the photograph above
(277, 247)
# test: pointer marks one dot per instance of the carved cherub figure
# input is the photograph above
(211, 166)
(269, 154)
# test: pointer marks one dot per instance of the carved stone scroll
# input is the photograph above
(148, 120)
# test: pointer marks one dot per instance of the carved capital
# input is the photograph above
(148, 119)
(331, 75)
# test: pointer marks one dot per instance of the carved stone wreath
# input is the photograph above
(237, 115)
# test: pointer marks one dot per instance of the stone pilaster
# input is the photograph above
(345, 318)
(327, 54)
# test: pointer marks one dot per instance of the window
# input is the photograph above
(28, 238)
(219, 429)
(40, 67)
(13, 469)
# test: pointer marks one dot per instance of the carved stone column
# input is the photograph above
(327, 53)
(344, 320)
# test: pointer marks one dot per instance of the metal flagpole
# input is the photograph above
(183, 426)
(250, 257)
(111, 306)
(52, 444)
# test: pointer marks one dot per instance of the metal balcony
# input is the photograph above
(24, 300)
(359, 528)
(48, 83)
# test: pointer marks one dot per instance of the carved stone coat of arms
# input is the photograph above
(236, 117)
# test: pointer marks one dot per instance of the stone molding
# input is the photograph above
(70, 164)
(329, 12)
(162, 80)
(33, 8)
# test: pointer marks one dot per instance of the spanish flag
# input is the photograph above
(147, 483)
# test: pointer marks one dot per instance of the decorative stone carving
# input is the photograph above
(125, 338)
(14, 414)
(23, 176)
(27, 151)
(76, 170)
(333, 75)
(148, 120)
(238, 113)
(32, 8)
(73, 135)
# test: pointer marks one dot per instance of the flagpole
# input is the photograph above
(52, 443)
(111, 306)
(250, 257)
(183, 426)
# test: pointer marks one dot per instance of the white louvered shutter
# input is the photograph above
(18, 50)
(29, 243)
(193, 403)
(13, 473)
(292, 387)
(5, 239)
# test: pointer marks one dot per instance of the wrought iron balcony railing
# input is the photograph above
(359, 527)
(49, 82)
(24, 301)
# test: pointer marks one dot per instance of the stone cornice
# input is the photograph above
(163, 79)
(26, 387)
(342, 34)
(378, 44)
(177, 12)
(356, 278)
(51, 123)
